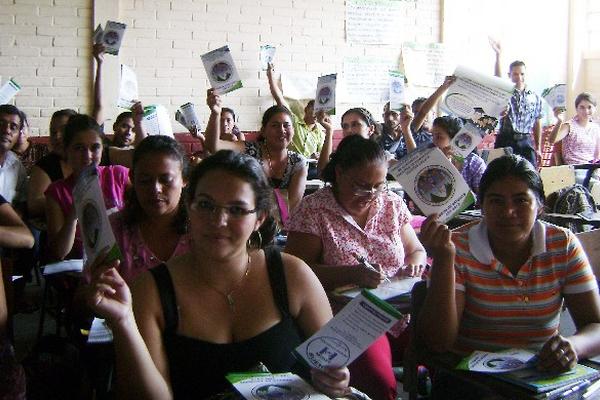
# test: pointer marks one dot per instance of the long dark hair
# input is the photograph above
(270, 113)
(79, 123)
(367, 118)
(353, 151)
(247, 168)
(153, 146)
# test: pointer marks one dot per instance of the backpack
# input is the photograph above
(573, 200)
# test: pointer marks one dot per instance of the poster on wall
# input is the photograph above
(374, 21)
(426, 65)
(367, 79)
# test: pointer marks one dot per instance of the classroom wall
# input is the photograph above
(45, 44)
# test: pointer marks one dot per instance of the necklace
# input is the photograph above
(229, 295)
(271, 170)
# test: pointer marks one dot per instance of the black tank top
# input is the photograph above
(198, 368)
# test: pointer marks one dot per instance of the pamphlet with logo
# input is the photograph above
(96, 231)
(8, 91)
(111, 36)
(267, 53)
(503, 361)
(397, 91)
(466, 139)
(221, 70)
(261, 386)
(156, 121)
(556, 96)
(385, 291)
(347, 335)
(325, 97)
(128, 88)
(474, 93)
(433, 183)
(187, 116)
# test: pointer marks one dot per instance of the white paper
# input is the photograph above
(262, 386)
(16, 277)
(267, 53)
(505, 361)
(556, 96)
(398, 95)
(63, 266)
(465, 140)
(113, 36)
(387, 290)
(366, 79)
(189, 115)
(100, 332)
(221, 70)
(473, 90)
(433, 183)
(299, 85)
(325, 96)
(347, 335)
(96, 231)
(156, 121)
(426, 65)
(8, 91)
(128, 89)
(374, 21)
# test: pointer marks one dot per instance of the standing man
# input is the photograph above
(521, 127)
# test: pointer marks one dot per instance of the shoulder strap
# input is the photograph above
(166, 291)
(277, 279)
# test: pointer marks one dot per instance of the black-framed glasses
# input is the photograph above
(360, 191)
(208, 207)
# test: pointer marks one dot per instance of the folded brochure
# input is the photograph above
(347, 335)
(261, 385)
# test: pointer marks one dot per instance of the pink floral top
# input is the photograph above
(581, 145)
(137, 256)
(321, 215)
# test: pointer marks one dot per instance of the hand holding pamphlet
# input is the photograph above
(465, 140)
(156, 121)
(325, 97)
(111, 36)
(221, 70)
(267, 53)
(398, 96)
(556, 96)
(187, 116)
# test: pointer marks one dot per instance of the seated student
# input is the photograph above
(225, 306)
(360, 121)
(50, 168)
(13, 177)
(29, 153)
(153, 227)
(525, 266)
(285, 169)
(357, 216)
(580, 136)
(229, 129)
(83, 147)
(472, 167)
(397, 132)
(13, 231)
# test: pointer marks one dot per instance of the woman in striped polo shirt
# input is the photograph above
(501, 283)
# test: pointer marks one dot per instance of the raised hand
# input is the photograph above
(495, 44)
(108, 294)
(324, 120)
(436, 238)
(98, 52)
(213, 101)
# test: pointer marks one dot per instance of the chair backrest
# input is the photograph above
(590, 241)
(556, 178)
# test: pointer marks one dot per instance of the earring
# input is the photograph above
(250, 245)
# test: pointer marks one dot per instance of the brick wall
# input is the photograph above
(44, 44)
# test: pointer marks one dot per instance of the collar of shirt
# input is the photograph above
(479, 244)
(10, 159)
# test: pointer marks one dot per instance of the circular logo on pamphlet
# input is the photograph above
(397, 87)
(111, 38)
(91, 224)
(280, 392)
(434, 185)
(460, 105)
(327, 351)
(221, 71)
(504, 363)
(463, 141)
(324, 95)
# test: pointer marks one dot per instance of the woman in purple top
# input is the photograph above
(472, 167)
(153, 226)
(83, 147)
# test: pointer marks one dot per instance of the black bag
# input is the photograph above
(572, 200)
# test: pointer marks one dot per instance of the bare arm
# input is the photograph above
(212, 135)
(406, 118)
(61, 229)
(537, 134)
(13, 231)
(442, 310)
(431, 102)
(125, 156)
(274, 87)
(325, 121)
(309, 248)
(97, 112)
(497, 47)
(413, 249)
(38, 183)
(585, 310)
(297, 186)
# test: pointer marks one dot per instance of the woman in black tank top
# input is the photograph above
(225, 306)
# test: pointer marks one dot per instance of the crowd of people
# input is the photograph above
(200, 290)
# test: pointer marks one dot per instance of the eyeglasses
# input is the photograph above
(207, 207)
(376, 190)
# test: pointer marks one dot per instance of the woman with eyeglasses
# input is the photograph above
(225, 306)
(356, 217)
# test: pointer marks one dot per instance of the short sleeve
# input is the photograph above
(579, 275)
(538, 107)
(304, 219)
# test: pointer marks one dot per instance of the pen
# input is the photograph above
(593, 388)
(576, 388)
(367, 264)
